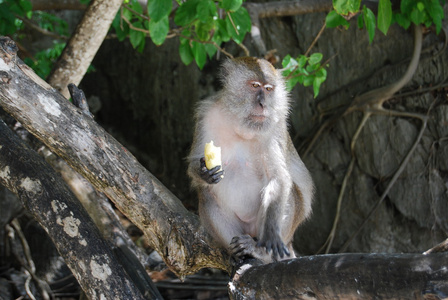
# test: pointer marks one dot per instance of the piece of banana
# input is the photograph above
(212, 156)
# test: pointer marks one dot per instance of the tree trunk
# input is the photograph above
(78, 240)
(83, 45)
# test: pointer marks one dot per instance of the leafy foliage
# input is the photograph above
(202, 27)
(10, 14)
(426, 12)
(43, 61)
(304, 70)
(197, 23)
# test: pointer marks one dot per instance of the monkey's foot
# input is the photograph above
(212, 176)
(243, 245)
(276, 246)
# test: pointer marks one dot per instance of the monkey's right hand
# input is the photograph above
(212, 176)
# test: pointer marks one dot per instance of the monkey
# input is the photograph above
(253, 203)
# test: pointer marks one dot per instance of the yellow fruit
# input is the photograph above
(212, 155)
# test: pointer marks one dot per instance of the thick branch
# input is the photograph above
(51, 203)
(173, 231)
(347, 276)
(79, 51)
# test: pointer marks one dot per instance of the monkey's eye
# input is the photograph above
(269, 87)
(256, 84)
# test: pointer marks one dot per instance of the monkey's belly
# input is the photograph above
(241, 195)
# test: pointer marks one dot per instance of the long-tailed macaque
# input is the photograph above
(264, 191)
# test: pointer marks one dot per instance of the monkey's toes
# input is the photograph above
(242, 245)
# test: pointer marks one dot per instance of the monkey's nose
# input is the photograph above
(260, 99)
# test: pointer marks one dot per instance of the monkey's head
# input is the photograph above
(254, 91)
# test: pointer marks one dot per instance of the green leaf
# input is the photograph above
(135, 36)
(346, 7)
(417, 16)
(420, 6)
(302, 61)
(360, 22)
(203, 30)
(435, 10)
(221, 33)
(402, 20)
(159, 30)
(159, 9)
(135, 5)
(308, 80)
(315, 58)
(241, 19)
(205, 10)
(185, 52)
(210, 49)
(289, 63)
(333, 20)
(186, 13)
(231, 5)
(321, 76)
(121, 31)
(384, 15)
(406, 6)
(369, 20)
(199, 53)
(292, 82)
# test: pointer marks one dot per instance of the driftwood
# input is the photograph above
(176, 233)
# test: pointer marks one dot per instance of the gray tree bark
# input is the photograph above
(83, 45)
(45, 195)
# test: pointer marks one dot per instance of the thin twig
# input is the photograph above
(135, 28)
(135, 12)
(315, 39)
(233, 24)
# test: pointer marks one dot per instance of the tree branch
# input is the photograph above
(347, 276)
(173, 231)
(50, 202)
(83, 45)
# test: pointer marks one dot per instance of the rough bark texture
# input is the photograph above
(51, 203)
(348, 276)
(82, 47)
(108, 166)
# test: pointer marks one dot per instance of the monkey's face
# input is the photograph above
(254, 92)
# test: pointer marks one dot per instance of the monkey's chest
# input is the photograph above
(241, 188)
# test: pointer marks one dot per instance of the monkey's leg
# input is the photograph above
(221, 223)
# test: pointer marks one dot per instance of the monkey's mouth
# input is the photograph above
(257, 118)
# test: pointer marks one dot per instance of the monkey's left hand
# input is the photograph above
(210, 176)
